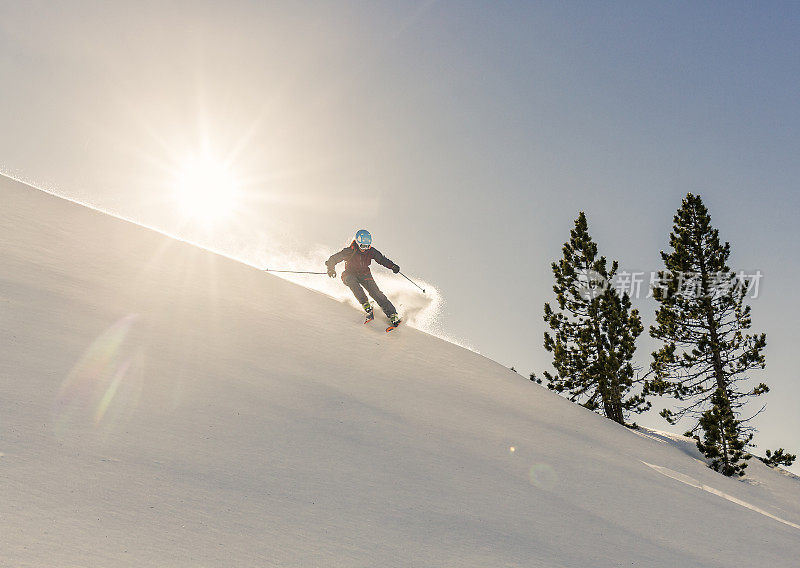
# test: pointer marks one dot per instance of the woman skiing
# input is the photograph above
(358, 278)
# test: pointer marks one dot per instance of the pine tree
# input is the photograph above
(777, 458)
(594, 331)
(723, 439)
(702, 320)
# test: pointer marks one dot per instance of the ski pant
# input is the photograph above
(360, 282)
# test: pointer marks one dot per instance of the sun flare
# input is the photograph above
(206, 190)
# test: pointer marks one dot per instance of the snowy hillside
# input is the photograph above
(164, 406)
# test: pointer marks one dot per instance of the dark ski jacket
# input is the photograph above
(357, 261)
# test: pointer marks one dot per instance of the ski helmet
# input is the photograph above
(363, 239)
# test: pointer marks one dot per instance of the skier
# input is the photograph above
(358, 278)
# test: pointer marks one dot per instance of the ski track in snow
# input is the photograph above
(692, 482)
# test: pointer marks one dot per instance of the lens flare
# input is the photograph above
(543, 476)
(102, 383)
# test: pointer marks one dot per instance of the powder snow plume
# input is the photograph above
(418, 310)
(280, 252)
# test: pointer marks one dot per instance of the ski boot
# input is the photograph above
(370, 314)
(395, 320)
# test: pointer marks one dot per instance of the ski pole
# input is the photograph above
(414, 283)
(293, 271)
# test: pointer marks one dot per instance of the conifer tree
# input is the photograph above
(594, 331)
(780, 457)
(706, 355)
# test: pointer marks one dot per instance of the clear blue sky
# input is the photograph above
(465, 135)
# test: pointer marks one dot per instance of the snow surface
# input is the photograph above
(164, 406)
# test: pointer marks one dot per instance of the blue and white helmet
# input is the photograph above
(363, 239)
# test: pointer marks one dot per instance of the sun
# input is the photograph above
(206, 189)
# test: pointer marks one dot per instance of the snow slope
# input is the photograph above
(164, 406)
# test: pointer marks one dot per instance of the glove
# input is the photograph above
(331, 272)
(395, 269)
